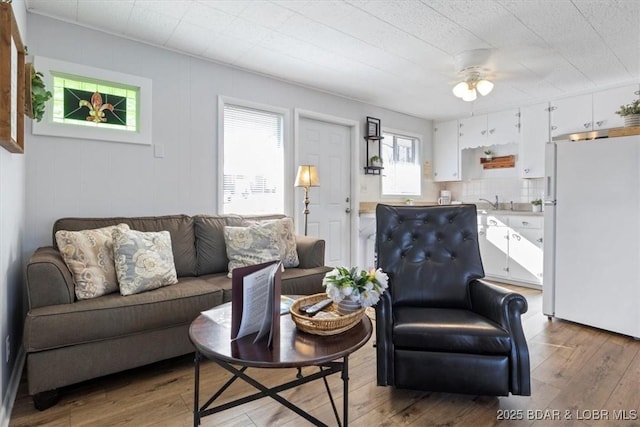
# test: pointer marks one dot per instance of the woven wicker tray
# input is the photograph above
(315, 326)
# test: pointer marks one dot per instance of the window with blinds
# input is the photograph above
(253, 147)
(401, 162)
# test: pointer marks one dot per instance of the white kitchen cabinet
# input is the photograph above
(485, 130)
(607, 102)
(590, 112)
(503, 127)
(573, 114)
(446, 153)
(473, 131)
(511, 247)
(494, 246)
(534, 122)
(525, 248)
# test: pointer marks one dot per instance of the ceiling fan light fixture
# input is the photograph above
(484, 87)
(470, 95)
(460, 89)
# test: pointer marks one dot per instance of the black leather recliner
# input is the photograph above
(438, 327)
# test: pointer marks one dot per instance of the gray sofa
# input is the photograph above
(68, 340)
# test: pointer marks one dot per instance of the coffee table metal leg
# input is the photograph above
(333, 404)
(196, 391)
(345, 393)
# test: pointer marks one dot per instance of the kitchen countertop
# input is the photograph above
(369, 208)
(508, 212)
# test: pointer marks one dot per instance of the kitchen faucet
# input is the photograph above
(493, 205)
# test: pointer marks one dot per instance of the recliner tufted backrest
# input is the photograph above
(430, 253)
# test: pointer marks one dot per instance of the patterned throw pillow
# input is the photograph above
(250, 245)
(89, 256)
(285, 239)
(143, 260)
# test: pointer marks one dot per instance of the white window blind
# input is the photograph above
(253, 181)
(401, 162)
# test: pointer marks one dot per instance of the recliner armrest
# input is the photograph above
(384, 340)
(496, 303)
(505, 308)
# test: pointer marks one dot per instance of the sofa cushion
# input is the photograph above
(89, 256)
(180, 227)
(113, 315)
(448, 330)
(250, 245)
(285, 236)
(211, 249)
(143, 260)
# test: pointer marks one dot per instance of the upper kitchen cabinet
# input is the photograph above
(534, 122)
(473, 131)
(498, 128)
(607, 102)
(590, 112)
(446, 154)
(503, 127)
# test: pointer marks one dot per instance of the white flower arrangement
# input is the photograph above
(362, 287)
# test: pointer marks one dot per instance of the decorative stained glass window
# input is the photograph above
(92, 103)
(87, 102)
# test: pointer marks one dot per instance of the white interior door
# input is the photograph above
(327, 145)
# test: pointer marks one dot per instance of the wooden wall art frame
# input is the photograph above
(11, 82)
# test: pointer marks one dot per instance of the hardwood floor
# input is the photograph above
(581, 376)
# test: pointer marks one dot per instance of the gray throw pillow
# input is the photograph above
(250, 245)
(143, 260)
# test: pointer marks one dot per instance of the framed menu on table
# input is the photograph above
(12, 79)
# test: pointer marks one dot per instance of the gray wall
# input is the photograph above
(12, 227)
(73, 177)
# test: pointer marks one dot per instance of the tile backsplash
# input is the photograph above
(507, 190)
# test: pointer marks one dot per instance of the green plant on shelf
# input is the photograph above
(629, 109)
(375, 161)
(536, 202)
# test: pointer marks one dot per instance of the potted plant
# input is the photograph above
(375, 161)
(536, 205)
(35, 98)
(630, 113)
(488, 154)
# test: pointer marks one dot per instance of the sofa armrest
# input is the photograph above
(49, 280)
(310, 251)
(506, 308)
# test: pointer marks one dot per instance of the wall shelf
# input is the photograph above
(369, 169)
(499, 162)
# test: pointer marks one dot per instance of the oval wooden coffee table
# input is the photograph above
(210, 334)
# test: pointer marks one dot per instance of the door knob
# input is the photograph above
(348, 210)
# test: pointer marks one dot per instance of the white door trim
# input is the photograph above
(354, 126)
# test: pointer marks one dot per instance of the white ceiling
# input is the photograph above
(395, 54)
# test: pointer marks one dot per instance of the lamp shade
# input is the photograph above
(307, 176)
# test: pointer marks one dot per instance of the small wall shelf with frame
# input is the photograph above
(372, 135)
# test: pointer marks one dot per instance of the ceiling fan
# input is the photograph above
(471, 66)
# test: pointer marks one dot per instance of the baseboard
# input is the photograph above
(12, 389)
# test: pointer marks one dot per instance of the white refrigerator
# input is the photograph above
(592, 233)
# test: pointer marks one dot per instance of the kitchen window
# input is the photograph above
(401, 162)
(252, 160)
